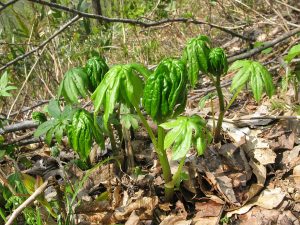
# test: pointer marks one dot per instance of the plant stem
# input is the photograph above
(164, 162)
(161, 153)
(222, 109)
(148, 128)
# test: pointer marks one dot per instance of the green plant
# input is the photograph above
(81, 133)
(56, 126)
(4, 86)
(184, 133)
(165, 98)
(95, 68)
(74, 85)
(121, 85)
(212, 62)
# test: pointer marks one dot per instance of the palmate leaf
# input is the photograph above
(195, 56)
(74, 85)
(184, 133)
(250, 71)
(56, 126)
(121, 84)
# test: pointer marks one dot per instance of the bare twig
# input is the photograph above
(65, 26)
(26, 109)
(138, 21)
(27, 202)
(264, 46)
(5, 5)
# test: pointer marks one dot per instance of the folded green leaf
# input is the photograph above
(217, 62)
(81, 133)
(195, 56)
(95, 68)
(165, 90)
(74, 85)
(4, 88)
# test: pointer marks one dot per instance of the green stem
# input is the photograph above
(164, 162)
(148, 128)
(217, 135)
(161, 153)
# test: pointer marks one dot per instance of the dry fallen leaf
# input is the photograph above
(268, 199)
(133, 219)
(143, 207)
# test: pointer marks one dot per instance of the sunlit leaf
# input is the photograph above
(184, 133)
(254, 72)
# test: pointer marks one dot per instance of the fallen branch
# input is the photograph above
(27, 202)
(264, 46)
(27, 124)
(65, 26)
(138, 22)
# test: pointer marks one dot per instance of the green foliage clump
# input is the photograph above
(74, 85)
(81, 133)
(95, 68)
(165, 90)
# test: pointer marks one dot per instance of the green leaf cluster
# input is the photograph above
(95, 68)
(218, 64)
(165, 90)
(39, 117)
(82, 131)
(184, 133)
(4, 86)
(259, 77)
(121, 84)
(74, 85)
(56, 126)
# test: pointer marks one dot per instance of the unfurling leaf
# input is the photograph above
(82, 132)
(184, 133)
(259, 77)
(95, 68)
(195, 56)
(217, 62)
(165, 90)
(74, 85)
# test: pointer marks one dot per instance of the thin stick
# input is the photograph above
(138, 22)
(7, 4)
(65, 26)
(27, 202)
